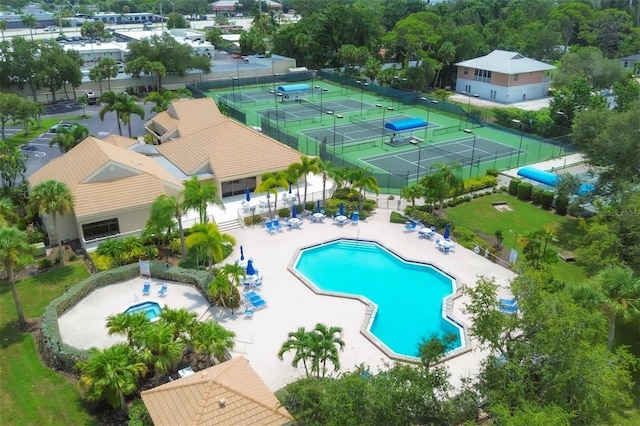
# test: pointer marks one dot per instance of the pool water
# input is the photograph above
(409, 295)
(151, 309)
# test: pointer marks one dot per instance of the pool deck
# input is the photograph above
(290, 303)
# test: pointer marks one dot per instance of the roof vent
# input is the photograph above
(222, 402)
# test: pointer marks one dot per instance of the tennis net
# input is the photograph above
(461, 159)
(370, 125)
(309, 104)
(268, 89)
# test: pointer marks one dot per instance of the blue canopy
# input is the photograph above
(407, 124)
(586, 188)
(250, 269)
(289, 88)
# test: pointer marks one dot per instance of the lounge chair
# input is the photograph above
(146, 289)
(411, 226)
(508, 309)
(508, 303)
(269, 227)
(163, 290)
(355, 218)
(255, 299)
(277, 225)
(248, 312)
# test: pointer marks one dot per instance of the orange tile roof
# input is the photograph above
(230, 393)
(231, 149)
(121, 141)
(85, 169)
(186, 116)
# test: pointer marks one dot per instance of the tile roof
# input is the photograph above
(230, 393)
(104, 177)
(506, 62)
(231, 150)
(186, 116)
(120, 141)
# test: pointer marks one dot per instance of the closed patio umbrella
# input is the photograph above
(241, 253)
(250, 269)
(293, 211)
(341, 209)
(447, 231)
(318, 206)
(290, 185)
(247, 194)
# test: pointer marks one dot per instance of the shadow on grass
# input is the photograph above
(11, 332)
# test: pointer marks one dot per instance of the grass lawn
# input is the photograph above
(31, 393)
(480, 215)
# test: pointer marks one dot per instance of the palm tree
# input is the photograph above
(7, 214)
(325, 344)
(111, 374)
(173, 205)
(620, 296)
(325, 169)
(220, 288)
(443, 183)
(15, 252)
(127, 324)
(304, 168)
(113, 248)
(3, 27)
(363, 182)
(158, 349)
(234, 271)
(269, 183)
(198, 194)
(182, 320)
(52, 198)
(208, 236)
(411, 192)
(210, 339)
(299, 342)
(161, 99)
(126, 107)
(110, 101)
(30, 22)
(105, 69)
(66, 139)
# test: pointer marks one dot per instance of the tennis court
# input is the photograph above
(248, 96)
(303, 109)
(425, 157)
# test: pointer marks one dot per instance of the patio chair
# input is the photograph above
(508, 309)
(355, 218)
(146, 289)
(163, 290)
(507, 302)
(248, 312)
(269, 227)
(411, 226)
(277, 225)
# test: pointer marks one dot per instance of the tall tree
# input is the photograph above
(169, 207)
(158, 348)
(325, 345)
(212, 340)
(111, 374)
(209, 237)
(269, 183)
(620, 296)
(298, 343)
(197, 195)
(110, 101)
(52, 198)
(15, 252)
(443, 183)
(30, 22)
(363, 181)
(127, 107)
(161, 99)
(13, 165)
(105, 69)
(66, 139)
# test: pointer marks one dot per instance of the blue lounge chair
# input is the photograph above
(411, 226)
(508, 309)
(146, 289)
(355, 217)
(269, 227)
(277, 225)
(163, 290)
(248, 312)
(255, 299)
(507, 302)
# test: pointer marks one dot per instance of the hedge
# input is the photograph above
(524, 191)
(546, 198)
(478, 183)
(67, 356)
(536, 193)
(562, 205)
(513, 186)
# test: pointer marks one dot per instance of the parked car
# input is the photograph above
(61, 127)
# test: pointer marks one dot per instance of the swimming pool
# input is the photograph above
(151, 309)
(409, 295)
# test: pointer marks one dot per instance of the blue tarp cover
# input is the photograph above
(294, 88)
(407, 124)
(541, 176)
(550, 179)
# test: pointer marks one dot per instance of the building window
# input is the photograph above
(465, 71)
(104, 228)
(516, 77)
(482, 75)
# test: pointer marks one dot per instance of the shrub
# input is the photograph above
(253, 220)
(524, 191)
(283, 213)
(562, 205)
(310, 205)
(101, 262)
(138, 414)
(44, 264)
(546, 198)
(504, 189)
(536, 193)
(397, 218)
(73, 257)
(513, 186)
(478, 183)
(369, 205)
(493, 172)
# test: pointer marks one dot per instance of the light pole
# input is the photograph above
(362, 84)
(466, 123)
(233, 88)
(415, 142)
(521, 124)
(334, 115)
(428, 102)
(384, 111)
(322, 92)
(566, 117)
(473, 149)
